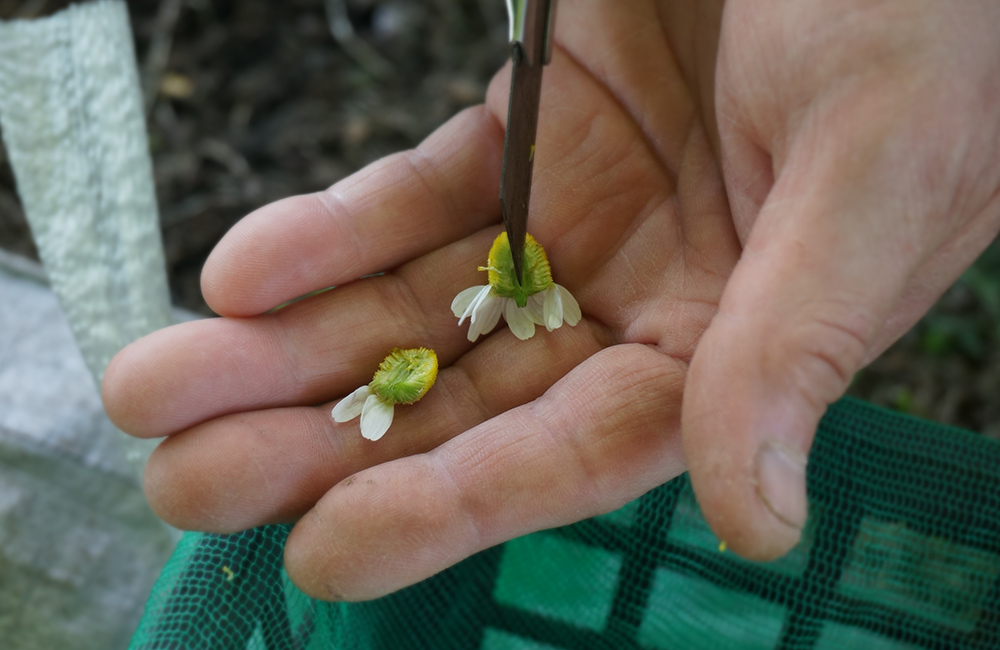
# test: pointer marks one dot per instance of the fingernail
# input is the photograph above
(780, 480)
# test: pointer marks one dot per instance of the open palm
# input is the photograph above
(630, 204)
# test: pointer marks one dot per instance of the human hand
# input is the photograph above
(860, 145)
(519, 436)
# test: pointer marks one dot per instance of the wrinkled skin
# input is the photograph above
(750, 202)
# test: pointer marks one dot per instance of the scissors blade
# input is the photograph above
(531, 46)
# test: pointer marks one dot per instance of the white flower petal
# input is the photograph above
(470, 311)
(487, 316)
(570, 307)
(350, 407)
(375, 418)
(482, 303)
(519, 321)
(463, 300)
(536, 308)
(553, 308)
(473, 332)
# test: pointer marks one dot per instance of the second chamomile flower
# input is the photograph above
(536, 301)
(403, 377)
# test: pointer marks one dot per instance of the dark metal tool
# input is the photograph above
(531, 24)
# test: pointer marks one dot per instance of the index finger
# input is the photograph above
(395, 209)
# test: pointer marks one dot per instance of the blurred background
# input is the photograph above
(250, 101)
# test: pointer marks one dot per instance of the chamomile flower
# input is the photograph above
(536, 301)
(403, 377)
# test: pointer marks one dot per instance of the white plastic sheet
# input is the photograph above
(79, 547)
(71, 114)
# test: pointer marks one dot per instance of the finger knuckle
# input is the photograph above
(822, 351)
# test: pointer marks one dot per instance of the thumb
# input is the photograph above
(804, 309)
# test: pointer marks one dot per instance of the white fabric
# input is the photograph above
(79, 544)
(72, 121)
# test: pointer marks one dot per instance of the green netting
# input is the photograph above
(901, 551)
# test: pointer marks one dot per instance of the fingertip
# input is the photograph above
(270, 256)
(110, 389)
(187, 373)
(183, 487)
(300, 566)
(127, 388)
(376, 532)
(392, 211)
(759, 512)
(221, 476)
(745, 514)
(747, 431)
(756, 539)
(166, 490)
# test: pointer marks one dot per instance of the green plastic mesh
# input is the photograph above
(901, 551)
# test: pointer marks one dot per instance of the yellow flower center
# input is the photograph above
(405, 376)
(536, 276)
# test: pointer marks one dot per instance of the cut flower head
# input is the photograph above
(535, 301)
(403, 377)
